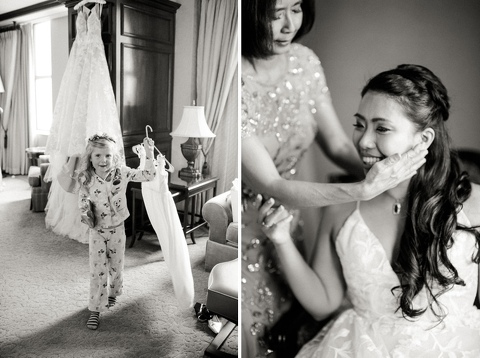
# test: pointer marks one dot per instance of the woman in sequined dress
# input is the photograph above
(286, 106)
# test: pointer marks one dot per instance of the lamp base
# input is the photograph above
(190, 150)
(189, 174)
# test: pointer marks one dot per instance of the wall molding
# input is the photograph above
(30, 9)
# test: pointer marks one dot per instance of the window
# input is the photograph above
(42, 53)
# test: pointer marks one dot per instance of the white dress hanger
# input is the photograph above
(83, 2)
(170, 168)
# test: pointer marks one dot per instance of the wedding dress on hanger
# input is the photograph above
(85, 106)
(163, 216)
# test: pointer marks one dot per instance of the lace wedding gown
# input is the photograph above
(85, 106)
(163, 216)
(282, 113)
(373, 328)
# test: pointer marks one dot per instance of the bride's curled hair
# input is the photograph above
(436, 193)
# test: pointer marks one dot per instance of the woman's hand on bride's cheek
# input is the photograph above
(393, 170)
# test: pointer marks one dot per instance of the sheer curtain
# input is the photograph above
(217, 85)
(15, 63)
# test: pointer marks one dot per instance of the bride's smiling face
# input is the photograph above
(382, 129)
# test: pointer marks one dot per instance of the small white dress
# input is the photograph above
(163, 216)
(373, 328)
(85, 106)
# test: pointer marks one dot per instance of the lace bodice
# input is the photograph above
(370, 276)
(94, 24)
(286, 110)
(374, 327)
(81, 24)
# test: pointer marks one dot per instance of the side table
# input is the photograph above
(188, 192)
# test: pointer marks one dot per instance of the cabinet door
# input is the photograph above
(145, 45)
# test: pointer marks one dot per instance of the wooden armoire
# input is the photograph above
(139, 38)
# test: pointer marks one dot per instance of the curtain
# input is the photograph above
(14, 69)
(217, 86)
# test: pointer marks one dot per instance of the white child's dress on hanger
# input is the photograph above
(85, 106)
(163, 216)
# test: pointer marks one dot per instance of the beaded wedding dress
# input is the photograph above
(85, 106)
(374, 328)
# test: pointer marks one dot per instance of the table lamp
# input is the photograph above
(193, 125)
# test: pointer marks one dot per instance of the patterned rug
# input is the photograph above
(44, 287)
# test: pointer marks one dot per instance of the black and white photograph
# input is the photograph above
(239, 178)
(359, 224)
(119, 157)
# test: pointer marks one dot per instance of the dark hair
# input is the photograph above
(257, 16)
(439, 190)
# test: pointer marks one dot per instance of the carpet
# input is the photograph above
(44, 288)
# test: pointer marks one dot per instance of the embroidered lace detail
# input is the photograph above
(372, 328)
(85, 106)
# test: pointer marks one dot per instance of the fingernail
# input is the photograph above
(271, 201)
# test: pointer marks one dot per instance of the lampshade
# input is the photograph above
(2, 89)
(193, 124)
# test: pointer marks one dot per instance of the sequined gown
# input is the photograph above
(284, 111)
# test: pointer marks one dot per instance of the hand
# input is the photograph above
(86, 212)
(393, 170)
(275, 222)
(88, 218)
(149, 144)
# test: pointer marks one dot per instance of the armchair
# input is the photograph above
(222, 243)
(40, 188)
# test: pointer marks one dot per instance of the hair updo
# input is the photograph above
(436, 193)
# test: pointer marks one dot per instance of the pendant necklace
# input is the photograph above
(397, 206)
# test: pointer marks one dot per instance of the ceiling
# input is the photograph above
(13, 5)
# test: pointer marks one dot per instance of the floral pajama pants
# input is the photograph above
(107, 257)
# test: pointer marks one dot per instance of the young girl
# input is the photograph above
(103, 206)
(407, 259)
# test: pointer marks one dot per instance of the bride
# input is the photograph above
(407, 259)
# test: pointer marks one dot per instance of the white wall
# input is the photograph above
(59, 28)
(358, 39)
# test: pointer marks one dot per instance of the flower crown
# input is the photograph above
(97, 137)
